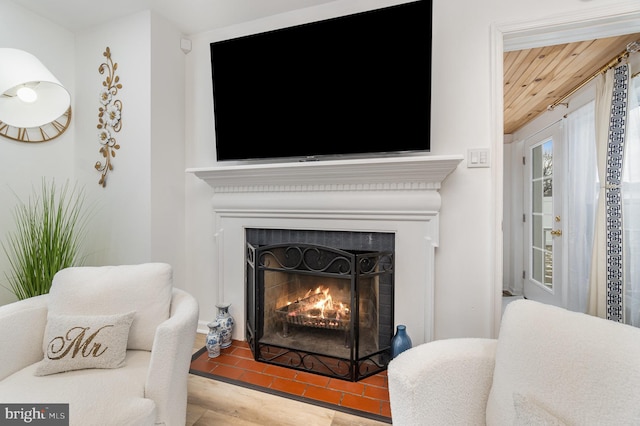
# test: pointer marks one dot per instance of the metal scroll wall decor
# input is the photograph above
(109, 116)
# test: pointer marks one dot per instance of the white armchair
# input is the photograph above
(549, 366)
(150, 388)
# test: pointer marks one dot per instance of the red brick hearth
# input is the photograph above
(368, 397)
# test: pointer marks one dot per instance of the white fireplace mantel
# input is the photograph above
(398, 195)
(419, 172)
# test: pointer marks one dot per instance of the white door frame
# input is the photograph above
(603, 21)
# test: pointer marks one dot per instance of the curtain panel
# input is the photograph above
(606, 287)
(631, 208)
(582, 199)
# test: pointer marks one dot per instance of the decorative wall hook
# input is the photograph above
(109, 116)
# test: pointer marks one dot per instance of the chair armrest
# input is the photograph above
(22, 327)
(170, 359)
(442, 382)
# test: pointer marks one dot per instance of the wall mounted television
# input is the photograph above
(356, 85)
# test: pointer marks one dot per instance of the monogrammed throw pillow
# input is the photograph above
(75, 342)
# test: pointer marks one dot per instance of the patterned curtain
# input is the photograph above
(606, 290)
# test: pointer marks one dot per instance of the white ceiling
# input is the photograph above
(191, 16)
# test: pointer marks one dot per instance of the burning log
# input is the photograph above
(316, 309)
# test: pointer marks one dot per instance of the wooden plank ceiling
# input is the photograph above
(536, 78)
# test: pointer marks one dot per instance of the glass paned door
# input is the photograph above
(543, 217)
(542, 214)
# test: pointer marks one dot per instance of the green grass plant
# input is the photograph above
(50, 227)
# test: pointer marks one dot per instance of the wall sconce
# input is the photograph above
(34, 106)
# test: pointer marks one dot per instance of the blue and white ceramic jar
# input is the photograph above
(213, 339)
(226, 322)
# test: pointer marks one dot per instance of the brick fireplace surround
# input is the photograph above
(391, 194)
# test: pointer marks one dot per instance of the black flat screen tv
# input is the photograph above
(355, 85)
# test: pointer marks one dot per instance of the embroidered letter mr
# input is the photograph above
(74, 342)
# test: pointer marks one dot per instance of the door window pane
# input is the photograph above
(537, 232)
(537, 265)
(536, 191)
(541, 251)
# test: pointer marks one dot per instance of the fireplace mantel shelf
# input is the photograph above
(427, 172)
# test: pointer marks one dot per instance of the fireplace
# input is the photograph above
(318, 308)
(398, 197)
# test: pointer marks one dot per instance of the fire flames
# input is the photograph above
(319, 304)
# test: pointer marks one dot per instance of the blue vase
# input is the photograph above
(400, 342)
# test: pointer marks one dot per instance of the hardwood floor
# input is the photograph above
(211, 402)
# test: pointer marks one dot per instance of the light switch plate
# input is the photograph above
(478, 157)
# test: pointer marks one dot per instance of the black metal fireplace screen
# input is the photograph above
(320, 309)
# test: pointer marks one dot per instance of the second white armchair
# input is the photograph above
(549, 366)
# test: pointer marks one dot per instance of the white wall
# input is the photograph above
(140, 214)
(167, 147)
(121, 231)
(23, 165)
(512, 223)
